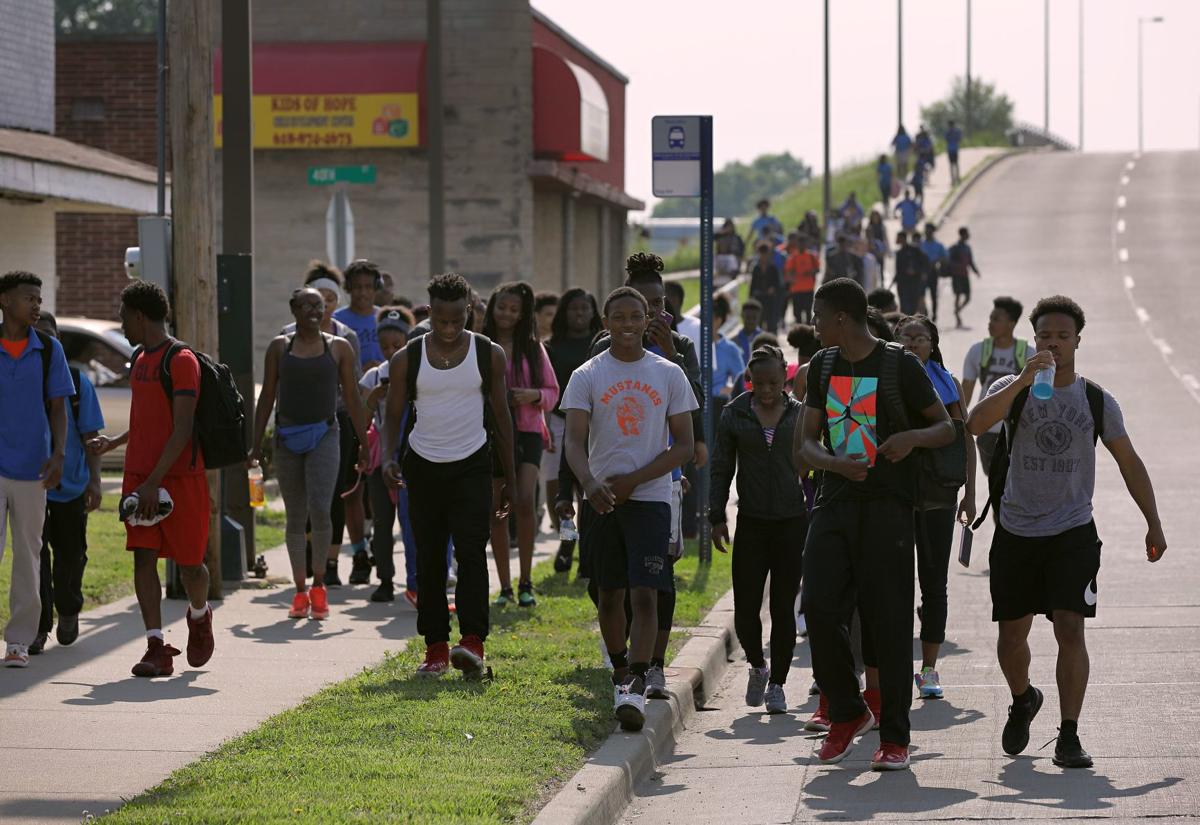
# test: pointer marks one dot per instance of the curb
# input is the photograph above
(969, 181)
(601, 790)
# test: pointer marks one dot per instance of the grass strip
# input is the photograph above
(384, 746)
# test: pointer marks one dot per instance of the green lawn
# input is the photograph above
(384, 746)
(109, 574)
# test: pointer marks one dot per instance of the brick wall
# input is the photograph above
(91, 261)
(27, 64)
(105, 95)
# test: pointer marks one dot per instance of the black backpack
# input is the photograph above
(998, 471)
(940, 471)
(483, 360)
(46, 355)
(219, 431)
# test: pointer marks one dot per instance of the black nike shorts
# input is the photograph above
(627, 547)
(1041, 575)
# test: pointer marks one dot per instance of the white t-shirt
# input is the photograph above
(370, 381)
(629, 404)
(689, 326)
(1003, 362)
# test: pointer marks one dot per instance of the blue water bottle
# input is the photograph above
(1043, 383)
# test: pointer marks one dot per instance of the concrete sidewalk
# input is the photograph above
(1140, 720)
(79, 733)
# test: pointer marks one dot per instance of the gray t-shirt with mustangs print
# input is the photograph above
(1052, 472)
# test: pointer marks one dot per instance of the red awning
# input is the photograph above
(334, 68)
(570, 110)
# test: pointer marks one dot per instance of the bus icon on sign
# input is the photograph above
(676, 138)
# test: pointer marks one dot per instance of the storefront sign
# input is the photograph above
(331, 121)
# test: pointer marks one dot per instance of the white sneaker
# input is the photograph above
(604, 657)
(814, 689)
(629, 706)
(656, 683)
(801, 626)
(17, 656)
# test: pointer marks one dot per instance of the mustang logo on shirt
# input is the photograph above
(630, 414)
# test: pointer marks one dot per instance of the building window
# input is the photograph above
(87, 109)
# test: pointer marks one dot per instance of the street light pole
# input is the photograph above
(967, 118)
(1046, 64)
(1141, 21)
(1080, 75)
(826, 182)
(899, 62)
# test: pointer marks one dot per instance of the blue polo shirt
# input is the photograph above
(24, 428)
(75, 468)
(953, 138)
(368, 334)
(728, 365)
(933, 250)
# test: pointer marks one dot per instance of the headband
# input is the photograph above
(393, 320)
(326, 283)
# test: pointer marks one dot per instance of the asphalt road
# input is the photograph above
(1041, 224)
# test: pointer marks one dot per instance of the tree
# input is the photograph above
(105, 16)
(990, 113)
(737, 186)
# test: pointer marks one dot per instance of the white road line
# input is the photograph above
(1137, 155)
(1124, 180)
(1163, 346)
(1121, 225)
(1121, 202)
(1129, 166)
(1123, 255)
(1191, 382)
(1128, 282)
(1142, 315)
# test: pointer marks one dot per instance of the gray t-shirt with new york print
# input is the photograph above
(1052, 472)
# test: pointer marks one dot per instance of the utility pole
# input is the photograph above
(189, 46)
(967, 105)
(235, 271)
(826, 181)
(1080, 75)
(899, 63)
(434, 132)
(1141, 22)
(1046, 63)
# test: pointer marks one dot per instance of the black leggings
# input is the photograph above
(762, 547)
(933, 569)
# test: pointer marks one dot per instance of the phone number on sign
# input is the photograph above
(312, 139)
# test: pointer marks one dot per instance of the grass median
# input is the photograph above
(384, 746)
(109, 573)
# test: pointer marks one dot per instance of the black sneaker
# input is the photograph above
(1068, 752)
(383, 593)
(331, 575)
(39, 644)
(68, 629)
(564, 556)
(525, 596)
(361, 572)
(1016, 730)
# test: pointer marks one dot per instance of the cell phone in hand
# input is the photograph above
(965, 535)
(666, 317)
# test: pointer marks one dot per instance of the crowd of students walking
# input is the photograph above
(852, 465)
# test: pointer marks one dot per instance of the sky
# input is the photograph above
(758, 69)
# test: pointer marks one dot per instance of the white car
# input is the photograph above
(99, 349)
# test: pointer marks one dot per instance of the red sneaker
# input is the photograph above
(299, 606)
(820, 719)
(437, 661)
(200, 638)
(890, 757)
(840, 739)
(875, 703)
(467, 656)
(157, 661)
(318, 599)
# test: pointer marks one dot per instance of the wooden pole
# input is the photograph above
(189, 50)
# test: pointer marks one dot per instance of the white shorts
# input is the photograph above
(550, 460)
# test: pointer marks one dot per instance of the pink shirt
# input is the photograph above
(530, 418)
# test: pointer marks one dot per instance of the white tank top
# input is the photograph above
(449, 410)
